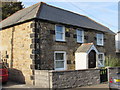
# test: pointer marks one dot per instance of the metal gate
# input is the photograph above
(103, 75)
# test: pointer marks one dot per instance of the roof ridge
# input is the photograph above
(27, 13)
(39, 9)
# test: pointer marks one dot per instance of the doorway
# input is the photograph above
(92, 59)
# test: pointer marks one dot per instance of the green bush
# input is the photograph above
(112, 61)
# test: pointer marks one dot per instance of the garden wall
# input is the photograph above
(66, 79)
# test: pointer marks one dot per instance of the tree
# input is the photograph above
(8, 8)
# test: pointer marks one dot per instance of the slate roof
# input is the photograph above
(21, 15)
(84, 47)
(47, 12)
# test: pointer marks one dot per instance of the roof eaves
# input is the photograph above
(77, 26)
(1, 28)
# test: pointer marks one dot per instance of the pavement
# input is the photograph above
(17, 86)
(93, 87)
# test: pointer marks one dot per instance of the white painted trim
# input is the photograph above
(97, 53)
(93, 48)
(102, 39)
(88, 59)
(82, 36)
(63, 33)
(65, 61)
(103, 60)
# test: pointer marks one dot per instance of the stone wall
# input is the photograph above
(48, 44)
(42, 78)
(67, 79)
(15, 51)
(112, 71)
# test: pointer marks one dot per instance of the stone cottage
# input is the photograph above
(44, 37)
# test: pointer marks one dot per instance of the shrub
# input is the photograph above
(112, 61)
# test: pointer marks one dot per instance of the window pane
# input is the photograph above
(59, 29)
(59, 36)
(98, 36)
(59, 64)
(59, 56)
(79, 32)
(79, 38)
(101, 61)
(100, 56)
(100, 39)
(79, 35)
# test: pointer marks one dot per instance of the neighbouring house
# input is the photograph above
(44, 37)
(118, 44)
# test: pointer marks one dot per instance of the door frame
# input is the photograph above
(97, 53)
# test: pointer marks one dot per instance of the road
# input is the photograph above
(16, 86)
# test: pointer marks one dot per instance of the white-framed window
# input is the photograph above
(59, 33)
(100, 39)
(80, 36)
(101, 59)
(60, 60)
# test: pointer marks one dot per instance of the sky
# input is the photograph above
(104, 12)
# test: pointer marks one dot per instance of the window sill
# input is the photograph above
(60, 41)
(80, 42)
(100, 45)
(60, 69)
(101, 66)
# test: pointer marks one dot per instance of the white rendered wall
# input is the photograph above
(117, 41)
(81, 61)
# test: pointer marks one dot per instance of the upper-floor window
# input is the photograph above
(100, 39)
(80, 36)
(60, 33)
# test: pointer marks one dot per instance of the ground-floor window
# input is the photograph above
(60, 60)
(101, 59)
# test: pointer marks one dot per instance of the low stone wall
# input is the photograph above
(66, 79)
(112, 71)
(42, 78)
